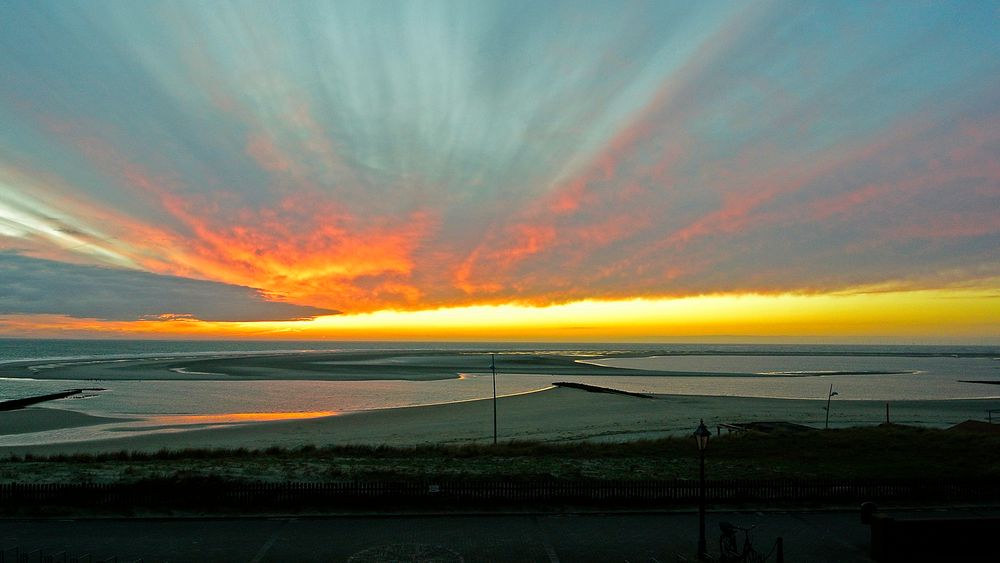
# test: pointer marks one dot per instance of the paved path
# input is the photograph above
(546, 538)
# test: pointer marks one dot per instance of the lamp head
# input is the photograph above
(702, 435)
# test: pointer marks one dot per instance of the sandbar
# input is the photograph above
(412, 365)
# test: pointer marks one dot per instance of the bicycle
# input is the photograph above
(729, 550)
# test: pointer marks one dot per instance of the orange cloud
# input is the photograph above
(303, 247)
(660, 209)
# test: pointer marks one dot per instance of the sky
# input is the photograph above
(580, 171)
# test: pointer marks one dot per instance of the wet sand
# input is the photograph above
(414, 365)
(39, 419)
(555, 415)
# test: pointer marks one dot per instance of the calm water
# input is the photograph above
(797, 372)
(40, 349)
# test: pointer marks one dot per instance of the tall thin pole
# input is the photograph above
(702, 549)
(828, 397)
(493, 366)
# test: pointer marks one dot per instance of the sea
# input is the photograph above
(862, 373)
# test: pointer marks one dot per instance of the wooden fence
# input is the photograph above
(211, 492)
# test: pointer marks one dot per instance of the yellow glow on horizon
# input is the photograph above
(927, 315)
(885, 314)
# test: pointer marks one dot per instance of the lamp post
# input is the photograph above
(701, 434)
(493, 366)
(828, 397)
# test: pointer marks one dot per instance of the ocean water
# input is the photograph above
(867, 373)
(15, 349)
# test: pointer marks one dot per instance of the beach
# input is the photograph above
(554, 415)
(178, 399)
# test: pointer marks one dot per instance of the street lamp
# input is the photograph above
(831, 395)
(701, 434)
(493, 366)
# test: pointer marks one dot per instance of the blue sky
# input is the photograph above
(360, 156)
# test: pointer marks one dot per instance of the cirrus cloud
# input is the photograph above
(361, 157)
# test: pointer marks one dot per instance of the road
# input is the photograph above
(809, 536)
(819, 536)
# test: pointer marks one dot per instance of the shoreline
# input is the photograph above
(442, 363)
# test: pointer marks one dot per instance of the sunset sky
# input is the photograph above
(573, 171)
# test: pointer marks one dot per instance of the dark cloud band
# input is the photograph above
(35, 286)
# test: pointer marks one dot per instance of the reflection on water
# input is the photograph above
(158, 407)
(776, 364)
(862, 377)
(178, 405)
(236, 417)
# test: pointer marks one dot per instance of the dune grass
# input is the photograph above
(875, 452)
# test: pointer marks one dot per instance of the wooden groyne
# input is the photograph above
(596, 389)
(15, 404)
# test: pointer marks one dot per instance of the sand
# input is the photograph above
(555, 415)
(38, 419)
(326, 366)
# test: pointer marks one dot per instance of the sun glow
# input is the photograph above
(915, 316)
(881, 314)
(484, 171)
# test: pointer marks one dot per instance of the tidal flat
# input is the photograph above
(410, 397)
